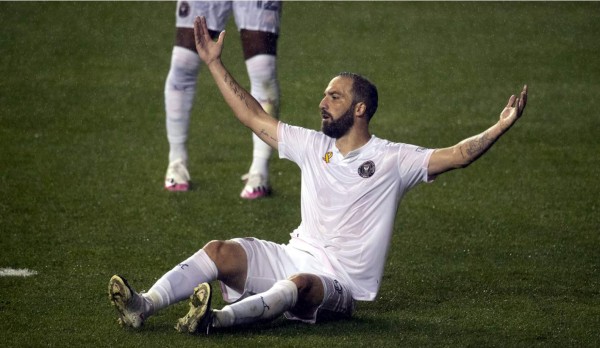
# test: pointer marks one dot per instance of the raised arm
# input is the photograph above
(470, 149)
(244, 106)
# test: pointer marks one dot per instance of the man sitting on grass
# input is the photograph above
(352, 183)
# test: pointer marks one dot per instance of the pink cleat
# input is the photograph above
(257, 186)
(177, 177)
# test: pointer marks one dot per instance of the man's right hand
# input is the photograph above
(208, 50)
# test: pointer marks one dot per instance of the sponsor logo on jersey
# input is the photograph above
(367, 169)
(327, 156)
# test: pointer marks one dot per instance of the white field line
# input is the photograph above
(11, 272)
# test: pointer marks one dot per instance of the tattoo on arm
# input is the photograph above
(267, 135)
(237, 90)
(474, 147)
(243, 96)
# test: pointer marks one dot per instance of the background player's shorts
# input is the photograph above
(250, 15)
(270, 262)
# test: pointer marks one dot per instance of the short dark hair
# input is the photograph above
(363, 91)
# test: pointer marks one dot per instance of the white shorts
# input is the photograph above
(250, 15)
(270, 262)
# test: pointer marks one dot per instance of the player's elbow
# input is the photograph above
(249, 119)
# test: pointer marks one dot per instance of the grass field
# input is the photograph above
(505, 253)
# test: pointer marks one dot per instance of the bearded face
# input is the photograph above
(337, 128)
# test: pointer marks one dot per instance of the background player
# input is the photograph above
(258, 23)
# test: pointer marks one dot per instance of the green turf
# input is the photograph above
(504, 253)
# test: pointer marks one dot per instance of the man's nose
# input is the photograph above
(323, 104)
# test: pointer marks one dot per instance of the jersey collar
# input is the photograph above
(352, 155)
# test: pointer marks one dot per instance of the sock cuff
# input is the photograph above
(289, 289)
(262, 71)
(261, 153)
(184, 57)
(204, 262)
(262, 62)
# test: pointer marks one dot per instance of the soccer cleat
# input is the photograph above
(199, 317)
(257, 186)
(128, 303)
(177, 177)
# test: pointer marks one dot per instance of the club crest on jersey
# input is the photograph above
(367, 169)
(184, 9)
(327, 156)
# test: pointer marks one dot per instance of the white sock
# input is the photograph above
(260, 157)
(265, 306)
(180, 89)
(178, 284)
(262, 71)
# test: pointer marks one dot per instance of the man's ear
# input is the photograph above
(360, 109)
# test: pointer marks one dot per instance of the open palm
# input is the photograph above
(208, 50)
(514, 108)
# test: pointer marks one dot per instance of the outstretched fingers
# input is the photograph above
(511, 101)
(518, 103)
(523, 99)
(207, 49)
(200, 31)
(221, 37)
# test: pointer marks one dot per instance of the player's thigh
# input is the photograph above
(258, 23)
(267, 262)
(184, 37)
(258, 15)
(258, 42)
(216, 13)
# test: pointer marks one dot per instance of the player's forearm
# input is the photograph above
(470, 149)
(242, 103)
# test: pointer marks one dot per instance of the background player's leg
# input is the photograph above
(180, 90)
(260, 49)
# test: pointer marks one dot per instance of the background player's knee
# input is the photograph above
(262, 71)
(180, 86)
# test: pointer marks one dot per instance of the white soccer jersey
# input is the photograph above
(349, 203)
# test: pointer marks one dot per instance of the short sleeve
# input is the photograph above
(293, 141)
(412, 164)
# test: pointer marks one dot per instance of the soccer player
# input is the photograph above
(258, 24)
(352, 183)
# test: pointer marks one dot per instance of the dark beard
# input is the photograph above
(338, 128)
